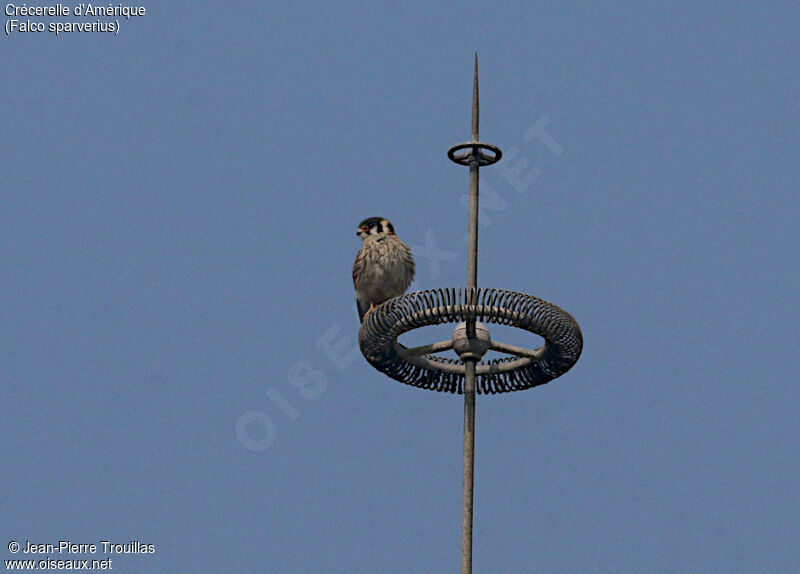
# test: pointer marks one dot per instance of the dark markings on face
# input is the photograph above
(376, 225)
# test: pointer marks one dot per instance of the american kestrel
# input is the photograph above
(384, 267)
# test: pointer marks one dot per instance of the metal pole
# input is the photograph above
(472, 241)
(469, 468)
(469, 366)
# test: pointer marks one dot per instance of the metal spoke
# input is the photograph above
(439, 347)
(518, 351)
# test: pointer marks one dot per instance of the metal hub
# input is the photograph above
(472, 346)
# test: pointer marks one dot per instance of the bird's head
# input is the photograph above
(374, 226)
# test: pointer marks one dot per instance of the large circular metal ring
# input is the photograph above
(476, 148)
(420, 367)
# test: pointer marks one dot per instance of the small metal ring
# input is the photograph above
(483, 159)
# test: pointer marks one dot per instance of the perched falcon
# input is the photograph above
(384, 267)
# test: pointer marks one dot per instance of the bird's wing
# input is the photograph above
(363, 305)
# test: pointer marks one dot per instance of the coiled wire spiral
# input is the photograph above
(562, 335)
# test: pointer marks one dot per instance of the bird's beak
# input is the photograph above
(360, 231)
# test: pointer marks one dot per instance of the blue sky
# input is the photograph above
(179, 213)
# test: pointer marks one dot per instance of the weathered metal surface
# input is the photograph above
(420, 367)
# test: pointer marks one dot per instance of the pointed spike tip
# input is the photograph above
(475, 103)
